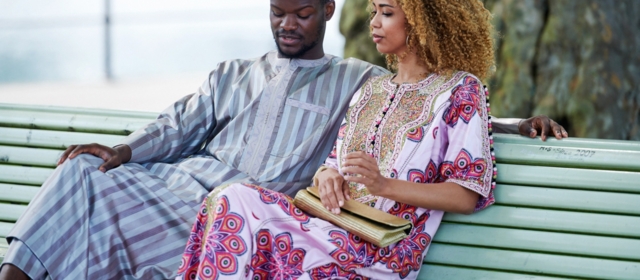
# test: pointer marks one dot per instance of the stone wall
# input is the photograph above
(575, 61)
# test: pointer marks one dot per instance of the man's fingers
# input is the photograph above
(108, 164)
(544, 128)
(78, 150)
(65, 154)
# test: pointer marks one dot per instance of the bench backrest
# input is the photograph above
(32, 138)
(567, 208)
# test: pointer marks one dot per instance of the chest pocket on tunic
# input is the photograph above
(300, 128)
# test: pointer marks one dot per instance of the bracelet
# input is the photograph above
(315, 176)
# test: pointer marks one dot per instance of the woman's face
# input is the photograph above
(388, 27)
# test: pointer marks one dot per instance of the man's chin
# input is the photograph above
(289, 52)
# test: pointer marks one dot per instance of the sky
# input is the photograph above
(64, 40)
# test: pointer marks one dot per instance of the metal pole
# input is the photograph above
(107, 40)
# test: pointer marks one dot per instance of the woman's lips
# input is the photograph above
(377, 38)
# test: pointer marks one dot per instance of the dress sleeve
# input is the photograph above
(179, 131)
(468, 160)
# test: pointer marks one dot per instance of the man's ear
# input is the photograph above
(329, 9)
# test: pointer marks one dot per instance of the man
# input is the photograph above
(125, 212)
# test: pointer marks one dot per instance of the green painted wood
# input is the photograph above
(541, 241)
(11, 212)
(73, 122)
(4, 231)
(541, 155)
(552, 220)
(3, 248)
(24, 175)
(434, 271)
(29, 156)
(7, 107)
(53, 139)
(592, 201)
(535, 263)
(569, 142)
(575, 178)
(17, 193)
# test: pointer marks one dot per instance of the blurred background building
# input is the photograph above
(577, 61)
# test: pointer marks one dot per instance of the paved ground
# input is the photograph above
(150, 94)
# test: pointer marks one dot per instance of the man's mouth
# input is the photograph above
(289, 40)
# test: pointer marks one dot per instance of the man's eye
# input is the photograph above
(276, 14)
(304, 16)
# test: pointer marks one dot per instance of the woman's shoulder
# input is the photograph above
(459, 77)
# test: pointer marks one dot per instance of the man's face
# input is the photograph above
(298, 27)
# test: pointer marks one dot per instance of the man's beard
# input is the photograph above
(299, 53)
(305, 47)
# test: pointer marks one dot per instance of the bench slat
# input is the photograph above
(532, 240)
(554, 220)
(567, 157)
(7, 107)
(570, 142)
(556, 177)
(53, 139)
(4, 231)
(17, 193)
(538, 263)
(74, 122)
(29, 156)
(3, 248)
(434, 271)
(592, 201)
(24, 175)
(11, 212)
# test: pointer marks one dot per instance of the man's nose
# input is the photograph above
(289, 23)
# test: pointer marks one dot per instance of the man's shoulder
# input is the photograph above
(364, 66)
(243, 61)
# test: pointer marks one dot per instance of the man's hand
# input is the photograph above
(543, 126)
(333, 190)
(112, 157)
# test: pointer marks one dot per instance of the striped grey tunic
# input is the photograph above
(267, 121)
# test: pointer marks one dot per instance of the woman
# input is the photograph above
(414, 144)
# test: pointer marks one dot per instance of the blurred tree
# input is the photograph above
(575, 61)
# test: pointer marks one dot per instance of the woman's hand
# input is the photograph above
(333, 189)
(362, 168)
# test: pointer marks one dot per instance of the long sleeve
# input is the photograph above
(179, 131)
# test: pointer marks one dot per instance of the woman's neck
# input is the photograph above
(409, 70)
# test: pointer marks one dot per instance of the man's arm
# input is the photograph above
(532, 127)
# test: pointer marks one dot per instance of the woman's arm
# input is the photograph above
(446, 196)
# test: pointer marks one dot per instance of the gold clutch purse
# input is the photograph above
(370, 224)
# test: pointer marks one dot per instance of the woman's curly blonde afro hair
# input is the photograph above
(449, 35)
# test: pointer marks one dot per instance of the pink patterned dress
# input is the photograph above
(436, 130)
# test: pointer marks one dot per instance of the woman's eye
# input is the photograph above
(304, 16)
(276, 14)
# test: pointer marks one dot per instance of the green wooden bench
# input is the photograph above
(565, 209)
